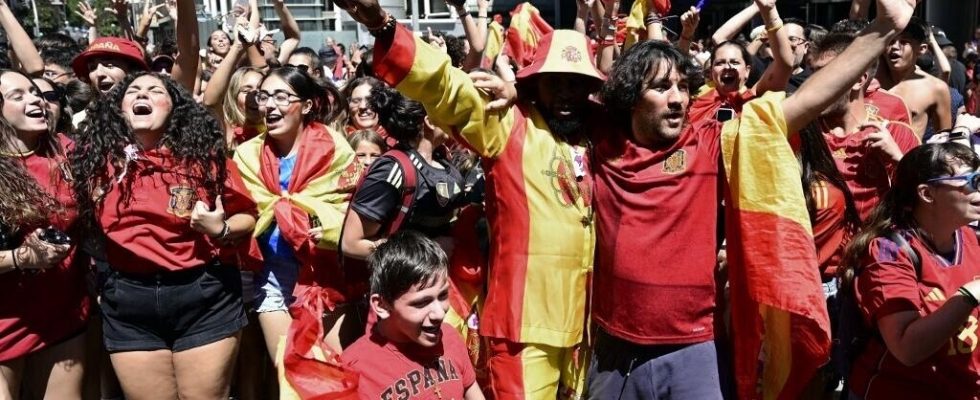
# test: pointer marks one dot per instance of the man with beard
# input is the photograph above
(926, 96)
(657, 186)
(538, 202)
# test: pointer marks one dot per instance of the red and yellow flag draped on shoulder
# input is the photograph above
(323, 178)
(780, 326)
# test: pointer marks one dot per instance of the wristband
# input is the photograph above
(969, 296)
(386, 26)
(224, 230)
(775, 27)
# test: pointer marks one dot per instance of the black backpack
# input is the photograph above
(851, 334)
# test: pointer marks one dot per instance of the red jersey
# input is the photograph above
(883, 105)
(38, 310)
(146, 216)
(867, 171)
(889, 284)
(406, 371)
(653, 203)
(831, 232)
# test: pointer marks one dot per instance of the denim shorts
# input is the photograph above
(175, 310)
(274, 286)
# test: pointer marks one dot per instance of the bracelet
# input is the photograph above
(224, 231)
(775, 27)
(969, 296)
(386, 26)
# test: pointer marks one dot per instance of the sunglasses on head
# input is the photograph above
(972, 180)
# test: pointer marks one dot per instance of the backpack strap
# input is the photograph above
(409, 185)
(905, 247)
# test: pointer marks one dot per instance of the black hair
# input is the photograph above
(365, 68)
(817, 164)
(78, 95)
(193, 136)
(307, 88)
(59, 56)
(315, 64)
(815, 33)
(167, 47)
(836, 42)
(916, 30)
(57, 40)
(634, 68)
(456, 48)
(746, 57)
(848, 26)
(895, 210)
(348, 90)
(222, 31)
(406, 259)
(400, 116)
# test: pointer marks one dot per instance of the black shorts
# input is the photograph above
(177, 310)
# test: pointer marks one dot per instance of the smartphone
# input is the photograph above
(724, 114)
(54, 236)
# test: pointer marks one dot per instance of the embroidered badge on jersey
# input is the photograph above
(676, 163)
(182, 199)
(562, 179)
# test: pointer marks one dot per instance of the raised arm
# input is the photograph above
(945, 70)
(87, 14)
(859, 10)
(423, 73)
(582, 11)
(255, 57)
(214, 94)
(608, 49)
(777, 74)
(832, 81)
(289, 28)
(474, 35)
(146, 18)
(120, 9)
(187, 62)
(689, 23)
(730, 28)
(20, 42)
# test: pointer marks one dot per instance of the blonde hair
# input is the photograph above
(369, 135)
(232, 114)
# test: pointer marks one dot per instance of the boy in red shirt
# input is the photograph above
(411, 353)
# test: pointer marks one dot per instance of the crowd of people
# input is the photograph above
(567, 213)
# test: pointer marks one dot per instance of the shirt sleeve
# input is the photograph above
(888, 283)
(426, 75)
(379, 195)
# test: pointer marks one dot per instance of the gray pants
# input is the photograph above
(623, 370)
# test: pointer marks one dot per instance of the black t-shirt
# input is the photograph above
(438, 193)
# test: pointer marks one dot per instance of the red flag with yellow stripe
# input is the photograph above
(780, 326)
(495, 43)
(526, 28)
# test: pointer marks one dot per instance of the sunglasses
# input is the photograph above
(972, 180)
(51, 96)
(301, 67)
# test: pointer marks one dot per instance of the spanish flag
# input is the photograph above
(780, 326)
(323, 178)
(526, 28)
(495, 43)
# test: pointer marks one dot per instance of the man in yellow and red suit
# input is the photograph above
(538, 197)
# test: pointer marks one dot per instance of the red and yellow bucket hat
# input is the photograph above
(563, 51)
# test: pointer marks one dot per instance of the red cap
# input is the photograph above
(109, 47)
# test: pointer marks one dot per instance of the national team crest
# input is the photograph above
(182, 199)
(571, 54)
(442, 193)
(676, 163)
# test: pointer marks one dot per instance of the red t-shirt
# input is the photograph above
(867, 171)
(38, 310)
(146, 217)
(887, 285)
(656, 237)
(394, 371)
(831, 232)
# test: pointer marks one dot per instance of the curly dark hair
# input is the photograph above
(23, 202)
(400, 116)
(193, 136)
(632, 71)
(456, 48)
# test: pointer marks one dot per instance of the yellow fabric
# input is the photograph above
(522, 23)
(560, 247)
(286, 391)
(762, 124)
(325, 197)
(568, 52)
(552, 372)
(495, 42)
(634, 22)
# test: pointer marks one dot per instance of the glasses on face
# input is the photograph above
(301, 67)
(54, 75)
(972, 180)
(51, 96)
(796, 40)
(280, 98)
